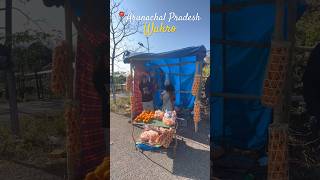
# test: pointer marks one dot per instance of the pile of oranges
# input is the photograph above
(145, 116)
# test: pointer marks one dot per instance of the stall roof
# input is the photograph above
(199, 51)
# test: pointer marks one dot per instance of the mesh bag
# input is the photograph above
(278, 152)
(196, 110)
(129, 83)
(60, 69)
(168, 138)
(273, 85)
(101, 172)
(73, 134)
(196, 115)
(196, 84)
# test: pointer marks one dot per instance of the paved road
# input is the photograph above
(191, 162)
(14, 171)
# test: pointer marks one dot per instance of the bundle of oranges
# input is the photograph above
(145, 116)
(129, 83)
(101, 172)
(196, 84)
(196, 110)
(60, 69)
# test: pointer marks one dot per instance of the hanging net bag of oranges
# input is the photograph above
(196, 84)
(129, 81)
(274, 83)
(60, 69)
(196, 115)
(102, 172)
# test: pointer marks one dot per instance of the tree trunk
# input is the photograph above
(112, 80)
(11, 80)
(37, 84)
(41, 87)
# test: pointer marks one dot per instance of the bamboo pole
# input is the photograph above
(278, 36)
(131, 93)
(224, 64)
(278, 131)
(71, 169)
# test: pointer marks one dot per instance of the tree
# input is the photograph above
(30, 50)
(30, 53)
(119, 78)
(308, 27)
(120, 30)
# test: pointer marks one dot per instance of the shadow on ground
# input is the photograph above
(192, 164)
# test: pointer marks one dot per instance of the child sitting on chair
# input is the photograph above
(168, 98)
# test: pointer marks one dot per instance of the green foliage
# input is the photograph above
(30, 36)
(11, 146)
(206, 71)
(34, 136)
(119, 78)
(122, 106)
(30, 52)
(308, 27)
(37, 129)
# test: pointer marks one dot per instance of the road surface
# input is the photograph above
(192, 160)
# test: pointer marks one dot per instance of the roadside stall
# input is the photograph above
(182, 71)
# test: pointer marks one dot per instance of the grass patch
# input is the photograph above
(122, 106)
(34, 136)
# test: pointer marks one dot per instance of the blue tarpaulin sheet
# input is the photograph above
(178, 66)
(77, 7)
(241, 123)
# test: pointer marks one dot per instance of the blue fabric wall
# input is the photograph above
(180, 76)
(241, 123)
(180, 83)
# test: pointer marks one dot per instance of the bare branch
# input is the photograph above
(28, 17)
(116, 56)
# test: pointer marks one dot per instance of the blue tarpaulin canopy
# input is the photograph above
(177, 66)
(241, 39)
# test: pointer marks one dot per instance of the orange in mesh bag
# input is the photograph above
(273, 85)
(196, 84)
(129, 83)
(196, 110)
(59, 69)
(166, 137)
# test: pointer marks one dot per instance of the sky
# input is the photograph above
(47, 18)
(187, 33)
(193, 33)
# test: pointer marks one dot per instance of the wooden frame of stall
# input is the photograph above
(281, 112)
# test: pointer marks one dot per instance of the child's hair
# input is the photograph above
(169, 88)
